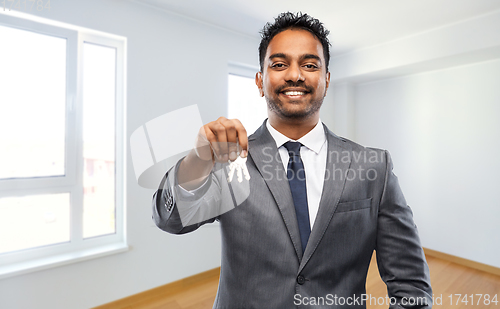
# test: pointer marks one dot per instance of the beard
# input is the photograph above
(277, 106)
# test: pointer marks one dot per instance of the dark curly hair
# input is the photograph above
(290, 20)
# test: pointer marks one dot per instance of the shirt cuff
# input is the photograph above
(189, 193)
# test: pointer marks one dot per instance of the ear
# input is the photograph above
(258, 82)
(327, 82)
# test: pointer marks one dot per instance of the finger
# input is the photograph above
(220, 132)
(202, 146)
(232, 139)
(242, 138)
(212, 139)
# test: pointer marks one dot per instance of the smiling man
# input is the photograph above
(294, 79)
(317, 205)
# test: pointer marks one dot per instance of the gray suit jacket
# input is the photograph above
(362, 209)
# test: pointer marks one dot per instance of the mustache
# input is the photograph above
(294, 85)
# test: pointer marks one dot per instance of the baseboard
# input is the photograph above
(465, 262)
(177, 286)
(164, 290)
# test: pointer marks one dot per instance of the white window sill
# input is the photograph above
(25, 267)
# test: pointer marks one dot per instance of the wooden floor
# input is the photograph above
(447, 279)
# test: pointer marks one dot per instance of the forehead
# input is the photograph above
(295, 43)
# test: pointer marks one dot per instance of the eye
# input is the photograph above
(311, 66)
(278, 65)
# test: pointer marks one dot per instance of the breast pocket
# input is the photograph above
(354, 205)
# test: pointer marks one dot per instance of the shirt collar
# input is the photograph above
(313, 140)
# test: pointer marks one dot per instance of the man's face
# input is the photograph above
(294, 78)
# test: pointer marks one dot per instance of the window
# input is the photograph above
(244, 101)
(61, 144)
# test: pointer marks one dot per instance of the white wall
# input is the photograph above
(432, 99)
(172, 62)
(443, 131)
(471, 40)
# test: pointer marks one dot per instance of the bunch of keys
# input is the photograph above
(239, 165)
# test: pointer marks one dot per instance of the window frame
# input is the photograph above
(241, 70)
(78, 248)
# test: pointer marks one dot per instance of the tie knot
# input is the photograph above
(293, 148)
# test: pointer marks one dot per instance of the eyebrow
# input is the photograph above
(278, 55)
(310, 56)
(303, 57)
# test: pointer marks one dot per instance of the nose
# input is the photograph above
(294, 74)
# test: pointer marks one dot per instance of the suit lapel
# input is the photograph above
(337, 160)
(263, 151)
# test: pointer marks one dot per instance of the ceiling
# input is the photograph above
(353, 24)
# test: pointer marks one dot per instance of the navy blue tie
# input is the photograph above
(297, 180)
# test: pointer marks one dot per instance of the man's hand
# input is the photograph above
(217, 141)
(222, 140)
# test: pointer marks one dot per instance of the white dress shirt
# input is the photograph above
(313, 153)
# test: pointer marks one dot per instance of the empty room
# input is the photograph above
(249, 154)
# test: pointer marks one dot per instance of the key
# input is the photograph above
(240, 167)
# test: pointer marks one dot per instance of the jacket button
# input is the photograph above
(301, 280)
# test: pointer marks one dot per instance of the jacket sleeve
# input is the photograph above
(177, 211)
(400, 257)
